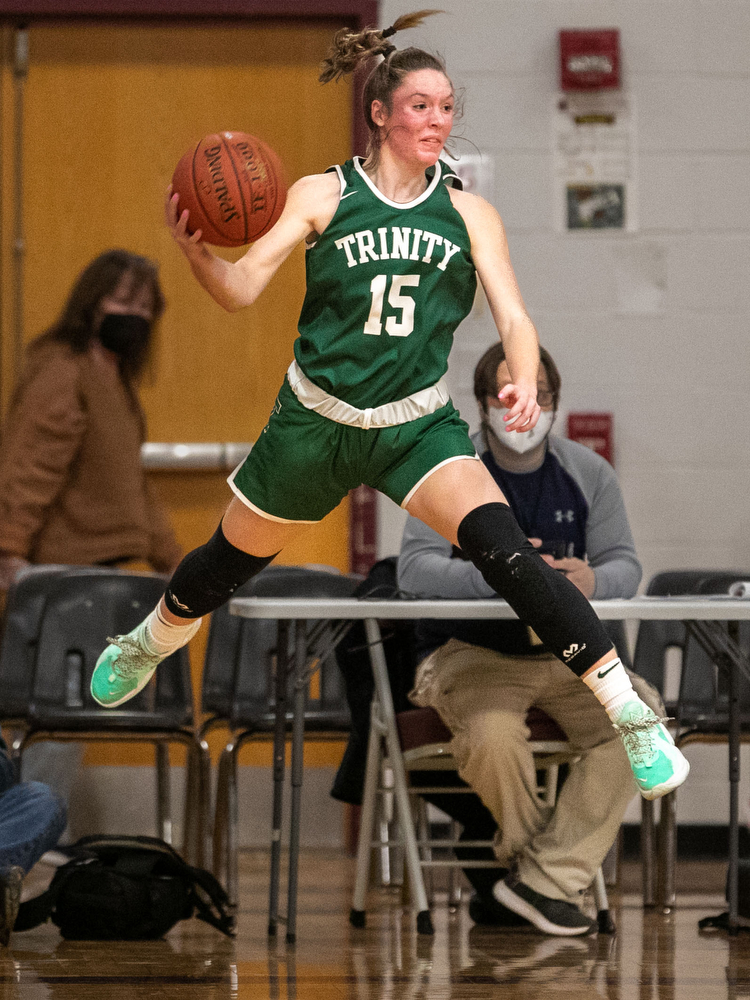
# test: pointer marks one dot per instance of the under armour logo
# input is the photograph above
(572, 651)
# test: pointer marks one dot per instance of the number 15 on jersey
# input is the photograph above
(395, 326)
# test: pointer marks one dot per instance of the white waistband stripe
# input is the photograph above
(400, 411)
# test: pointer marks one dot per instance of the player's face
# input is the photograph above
(421, 117)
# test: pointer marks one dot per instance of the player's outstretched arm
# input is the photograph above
(310, 204)
(489, 250)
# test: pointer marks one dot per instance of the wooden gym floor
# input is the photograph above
(652, 957)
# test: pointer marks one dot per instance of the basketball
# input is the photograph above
(233, 185)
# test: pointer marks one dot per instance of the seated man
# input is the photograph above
(32, 818)
(482, 676)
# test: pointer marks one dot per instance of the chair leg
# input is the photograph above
(603, 916)
(454, 878)
(400, 790)
(298, 770)
(221, 819)
(385, 824)
(163, 793)
(422, 828)
(189, 834)
(612, 861)
(233, 882)
(668, 850)
(16, 746)
(550, 784)
(648, 852)
(279, 765)
(384, 832)
(204, 763)
(367, 820)
(197, 794)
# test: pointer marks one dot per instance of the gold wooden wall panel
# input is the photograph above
(7, 105)
(109, 110)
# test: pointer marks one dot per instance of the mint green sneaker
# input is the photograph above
(123, 669)
(658, 766)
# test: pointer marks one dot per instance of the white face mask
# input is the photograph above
(520, 441)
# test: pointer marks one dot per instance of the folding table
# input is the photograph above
(703, 617)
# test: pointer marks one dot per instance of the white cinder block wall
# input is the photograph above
(654, 325)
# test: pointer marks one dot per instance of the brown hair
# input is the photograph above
(75, 324)
(349, 49)
(485, 374)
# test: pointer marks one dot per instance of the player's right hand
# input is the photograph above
(177, 222)
(523, 409)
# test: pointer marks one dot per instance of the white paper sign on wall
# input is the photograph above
(593, 137)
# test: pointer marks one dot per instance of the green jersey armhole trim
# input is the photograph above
(395, 204)
(451, 179)
(340, 172)
(309, 244)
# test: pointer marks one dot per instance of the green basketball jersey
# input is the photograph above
(387, 285)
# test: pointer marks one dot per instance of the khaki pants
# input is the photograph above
(483, 698)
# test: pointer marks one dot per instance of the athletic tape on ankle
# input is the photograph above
(163, 637)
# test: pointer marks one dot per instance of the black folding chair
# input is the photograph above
(20, 636)
(80, 611)
(700, 710)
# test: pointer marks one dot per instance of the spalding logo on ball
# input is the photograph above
(233, 186)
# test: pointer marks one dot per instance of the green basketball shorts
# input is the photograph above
(303, 464)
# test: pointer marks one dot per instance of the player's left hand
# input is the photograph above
(523, 409)
(577, 571)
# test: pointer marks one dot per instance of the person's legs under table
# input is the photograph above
(461, 501)
(484, 697)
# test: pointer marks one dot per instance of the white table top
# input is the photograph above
(689, 608)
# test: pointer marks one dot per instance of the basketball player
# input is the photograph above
(393, 253)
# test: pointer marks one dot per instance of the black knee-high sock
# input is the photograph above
(209, 575)
(542, 597)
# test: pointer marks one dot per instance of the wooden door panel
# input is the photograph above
(110, 108)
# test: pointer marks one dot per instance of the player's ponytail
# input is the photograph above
(349, 48)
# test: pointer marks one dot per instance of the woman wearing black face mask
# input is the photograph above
(125, 334)
(72, 489)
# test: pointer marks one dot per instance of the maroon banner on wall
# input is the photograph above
(363, 529)
(595, 430)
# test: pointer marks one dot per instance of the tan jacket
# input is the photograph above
(72, 488)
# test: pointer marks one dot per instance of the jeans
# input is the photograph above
(32, 819)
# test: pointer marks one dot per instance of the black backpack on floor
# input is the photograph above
(126, 889)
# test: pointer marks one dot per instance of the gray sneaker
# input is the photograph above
(552, 916)
(10, 899)
(485, 910)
